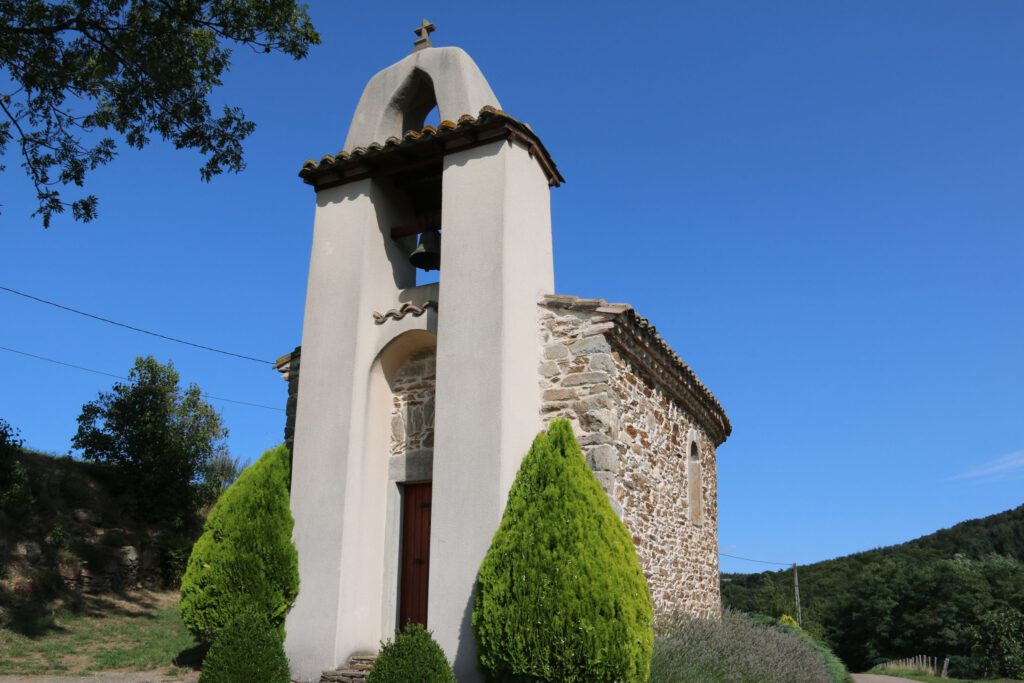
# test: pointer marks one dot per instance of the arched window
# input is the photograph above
(695, 485)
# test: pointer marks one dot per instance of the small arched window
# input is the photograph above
(695, 485)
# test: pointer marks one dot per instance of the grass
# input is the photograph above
(137, 632)
(928, 678)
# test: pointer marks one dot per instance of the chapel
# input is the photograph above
(411, 405)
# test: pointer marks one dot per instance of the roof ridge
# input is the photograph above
(411, 135)
(644, 327)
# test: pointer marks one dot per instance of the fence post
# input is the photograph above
(945, 668)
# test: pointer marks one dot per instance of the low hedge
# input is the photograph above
(740, 649)
(247, 650)
(412, 657)
(833, 665)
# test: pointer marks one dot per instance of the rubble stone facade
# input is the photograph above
(412, 412)
(649, 431)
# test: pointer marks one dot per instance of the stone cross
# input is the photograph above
(423, 31)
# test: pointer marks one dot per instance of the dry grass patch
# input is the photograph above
(137, 631)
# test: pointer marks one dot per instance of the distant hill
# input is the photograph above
(926, 596)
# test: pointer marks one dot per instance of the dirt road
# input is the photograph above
(158, 676)
(872, 678)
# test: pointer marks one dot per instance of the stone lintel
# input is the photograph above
(411, 466)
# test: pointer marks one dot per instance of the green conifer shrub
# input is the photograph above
(248, 650)
(245, 556)
(412, 657)
(560, 594)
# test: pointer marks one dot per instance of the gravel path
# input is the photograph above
(873, 678)
(158, 676)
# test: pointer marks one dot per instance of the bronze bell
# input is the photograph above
(427, 255)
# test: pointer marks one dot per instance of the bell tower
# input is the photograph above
(415, 393)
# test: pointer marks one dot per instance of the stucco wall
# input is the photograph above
(636, 439)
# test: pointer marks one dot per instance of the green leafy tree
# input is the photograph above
(218, 474)
(156, 437)
(930, 595)
(15, 492)
(999, 643)
(560, 595)
(245, 557)
(412, 657)
(77, 71)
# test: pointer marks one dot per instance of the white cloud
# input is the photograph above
(1006, 466)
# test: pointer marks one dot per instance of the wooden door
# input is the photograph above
(415, 570)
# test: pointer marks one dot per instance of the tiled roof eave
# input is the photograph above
(428, 145)
(638, 340)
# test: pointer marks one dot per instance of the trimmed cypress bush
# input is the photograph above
(560, 595)
(245, 557)
(247, 650)
(412, 657)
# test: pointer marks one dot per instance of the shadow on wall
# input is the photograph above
(467, 663)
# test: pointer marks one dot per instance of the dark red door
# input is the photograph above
(412, 601)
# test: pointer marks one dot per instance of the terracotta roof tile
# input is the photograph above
(448, 135)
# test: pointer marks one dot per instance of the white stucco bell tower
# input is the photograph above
(416, 403)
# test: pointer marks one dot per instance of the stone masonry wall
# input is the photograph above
(634, 437)
(412, 412)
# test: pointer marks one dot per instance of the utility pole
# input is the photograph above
(796, 593)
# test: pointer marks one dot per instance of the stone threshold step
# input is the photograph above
(357, 670)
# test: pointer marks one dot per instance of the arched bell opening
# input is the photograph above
(414, 99)
(419, 185)
(412, 221)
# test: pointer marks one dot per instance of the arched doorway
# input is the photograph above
(412, 441)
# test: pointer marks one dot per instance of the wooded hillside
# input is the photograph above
(938, 595)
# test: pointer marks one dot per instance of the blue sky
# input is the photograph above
(819, 204)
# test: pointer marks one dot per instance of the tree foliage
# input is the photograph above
(412, 657)
(560, 595)
(245, 556)
(77, 71)
(931, 595)
(218, 474)
(15, 493)
(248, 650)
(999, 643)
(157, 438)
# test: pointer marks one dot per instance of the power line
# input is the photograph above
(796, 581)
(107, 374)
(747, 559)
(132, 327)
(60, 362)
